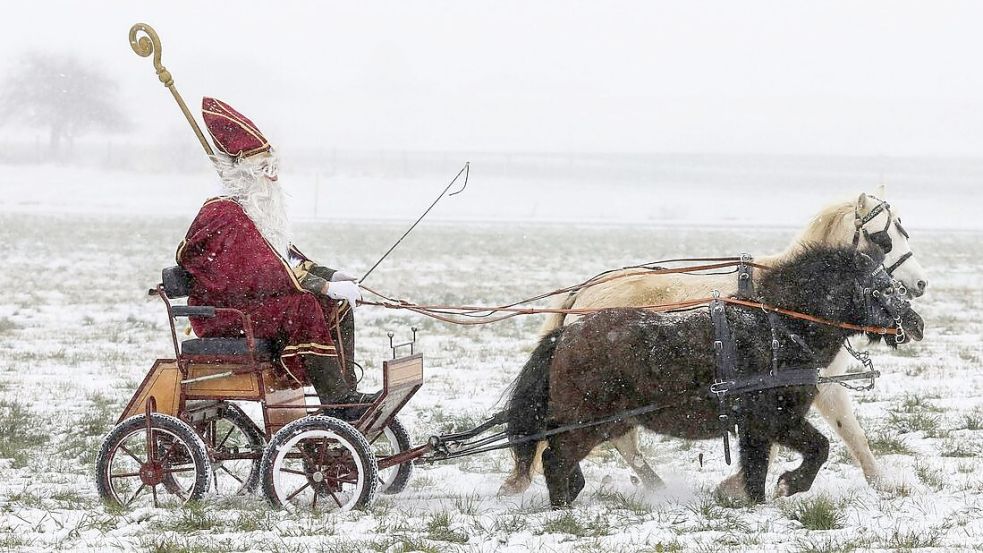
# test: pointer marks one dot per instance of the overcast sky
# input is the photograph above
(868, 78)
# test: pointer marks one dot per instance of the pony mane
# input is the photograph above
(814, 271)
(821, 227)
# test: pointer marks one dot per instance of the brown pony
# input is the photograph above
(621, 359)
(835, 225)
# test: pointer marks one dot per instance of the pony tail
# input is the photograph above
(555, 320)
(525, 412)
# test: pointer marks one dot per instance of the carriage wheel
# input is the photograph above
(319, 463)
(236, 446)
(393, 439)
(137, 458)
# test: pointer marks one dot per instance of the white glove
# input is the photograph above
(344, 290)
(339, 276)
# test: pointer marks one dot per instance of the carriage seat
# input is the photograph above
(177, 283)
(226, 346)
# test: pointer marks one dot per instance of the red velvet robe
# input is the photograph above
(234, 266)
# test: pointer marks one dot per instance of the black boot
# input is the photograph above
(335, 387)
(325, 375)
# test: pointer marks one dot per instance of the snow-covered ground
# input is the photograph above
(78, 333)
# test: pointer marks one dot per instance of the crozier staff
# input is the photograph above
(238, 249)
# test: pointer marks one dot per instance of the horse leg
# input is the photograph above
(755, 450)
(527, 456)
(561, 465)
(833, 403)
(627, 446)
(814, 448)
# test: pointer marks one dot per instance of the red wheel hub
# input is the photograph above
(152, 473)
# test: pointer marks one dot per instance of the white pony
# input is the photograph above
(867, 221)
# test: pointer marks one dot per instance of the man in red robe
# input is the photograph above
(239, 253)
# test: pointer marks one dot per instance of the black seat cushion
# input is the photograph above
(225, 346)
(177, 282)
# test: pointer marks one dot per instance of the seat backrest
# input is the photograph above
(177, 282)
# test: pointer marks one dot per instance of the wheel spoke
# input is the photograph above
(293, 471)
(182, 493)
(124, 475)
(335, 497)
(135, 494)
(173, 470)
(169, 451)
(154, 490)
(324, 453)
(302, 488)
(303, 453)
(229, 472)
(130, 453)
(229, 433)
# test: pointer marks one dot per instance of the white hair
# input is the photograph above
(247, 180)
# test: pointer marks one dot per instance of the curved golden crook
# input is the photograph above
(150, 44)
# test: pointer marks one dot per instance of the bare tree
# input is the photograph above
(62, 94)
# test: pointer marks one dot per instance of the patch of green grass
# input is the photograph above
(911, 403)
(192, 517)
(85, 430)
(831, 545)
(439, 529)
(70, 498)
(468, 504)
(23, 433)
(884, 444)
(930, 476)
(957, 448)
(718, 518)
(253, 521)
(184, 544)
(914, 421)
(818, 513)
(511, 524)
(407, 545)
(973, 421)
(662, 547)
(27, 498)
(567, 523)
(908, 540)
(14, 541)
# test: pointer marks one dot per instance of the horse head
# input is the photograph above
(843, 284)
(885, 300)
(877, 224)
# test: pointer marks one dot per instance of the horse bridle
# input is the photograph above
(869, 292)
(880, 238)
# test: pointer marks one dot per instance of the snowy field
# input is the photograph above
(77, 334)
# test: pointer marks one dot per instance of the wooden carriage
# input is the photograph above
(184, 431)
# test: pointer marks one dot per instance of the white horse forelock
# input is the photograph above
(836, 224)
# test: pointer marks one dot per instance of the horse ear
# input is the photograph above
(881, 191)
(869, 260)
(861, 201)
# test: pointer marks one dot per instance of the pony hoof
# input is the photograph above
(732, 488)
(513, 486)
(728, 491)
(782, 489)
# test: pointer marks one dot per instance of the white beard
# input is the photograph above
(261, 198)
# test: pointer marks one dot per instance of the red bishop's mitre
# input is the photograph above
(233, 133)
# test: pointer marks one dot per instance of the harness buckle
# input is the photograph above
(718, 346)
(720, 388)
